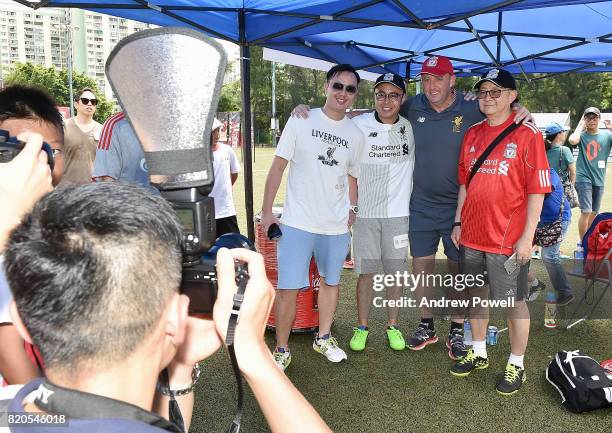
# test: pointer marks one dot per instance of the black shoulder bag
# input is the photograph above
(488, 151)
(568, 187)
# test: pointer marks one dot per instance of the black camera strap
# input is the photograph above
(57, 400)
(242, 278)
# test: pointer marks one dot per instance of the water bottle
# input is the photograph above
(467, 333)
(550, 310)
(579, 252)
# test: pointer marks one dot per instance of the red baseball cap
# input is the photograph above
(438, 66)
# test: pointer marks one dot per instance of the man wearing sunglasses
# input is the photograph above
(499, 206)
(320, 206)
(593, 154)
(81, 135)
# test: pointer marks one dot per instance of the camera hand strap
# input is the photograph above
(242, 278)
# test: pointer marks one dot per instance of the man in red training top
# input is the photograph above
(498, 210)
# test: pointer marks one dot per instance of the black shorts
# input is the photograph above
(227, 225)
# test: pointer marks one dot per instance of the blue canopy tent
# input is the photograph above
(384, 35)
(568, 38)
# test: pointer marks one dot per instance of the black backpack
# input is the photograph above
(584, 385)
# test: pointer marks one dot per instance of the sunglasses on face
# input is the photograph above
(86, 101)
(393, 97)
(493, 94)
(349, 89)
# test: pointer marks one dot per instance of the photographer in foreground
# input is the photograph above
(29, 114)
(95, 271)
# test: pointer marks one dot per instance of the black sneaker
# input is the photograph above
(563, 300)
(421, 337)
(534, 291)
(468, 364)
(512, 381)
(455, 346)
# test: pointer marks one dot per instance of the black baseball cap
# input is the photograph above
(390, 78)
(499, 77)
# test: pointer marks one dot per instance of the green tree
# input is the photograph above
(56, 83)
(230, 99)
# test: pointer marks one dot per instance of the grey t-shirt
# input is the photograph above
(438, 138)
(119, 154)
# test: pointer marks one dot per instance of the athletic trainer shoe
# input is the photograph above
(282, 359)
(468, 364)
(329, 348)
(395, 338)
(564, 299)
(512, 381)
(455, 346)
(421, 337)
(534, 291)
(348, 264)
(358, 342)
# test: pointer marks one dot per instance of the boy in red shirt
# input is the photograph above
(496, 220)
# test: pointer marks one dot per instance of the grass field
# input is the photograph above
(380, 390)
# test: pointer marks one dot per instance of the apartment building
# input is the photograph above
(44, 37)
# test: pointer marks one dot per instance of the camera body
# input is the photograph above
(11, 146)
(196, 212)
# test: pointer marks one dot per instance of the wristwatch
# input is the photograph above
(456, 224)
(355, 209)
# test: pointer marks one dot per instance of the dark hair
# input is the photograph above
(78, 95)
(91, 270)
(548, 140)
(24, 102)
(338, 69)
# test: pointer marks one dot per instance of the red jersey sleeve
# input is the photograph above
(536, 164)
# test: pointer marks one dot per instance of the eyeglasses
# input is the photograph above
(86, 101)
(349, 89)
(493, 94)
(393, 97)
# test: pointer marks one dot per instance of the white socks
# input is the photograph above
(480, 348)
(516, 360)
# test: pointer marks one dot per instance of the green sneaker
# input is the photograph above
(282, 359)
(396, 339)
(468, 364)
(513, 379)
(358, 342)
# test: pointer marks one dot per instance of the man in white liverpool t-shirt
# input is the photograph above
(380, 233)
(320, 206)
(226, 169)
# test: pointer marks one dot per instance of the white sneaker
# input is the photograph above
(329, 348)
(282, 359)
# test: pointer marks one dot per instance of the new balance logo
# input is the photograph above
(373, 134)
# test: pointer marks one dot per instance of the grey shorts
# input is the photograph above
(501, 284)
(380, 241)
